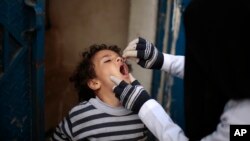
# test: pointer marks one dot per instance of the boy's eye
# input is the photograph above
(106, 61)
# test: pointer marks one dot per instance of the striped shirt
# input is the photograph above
(96, 121)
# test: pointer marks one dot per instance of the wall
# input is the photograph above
(142, 22)
(73, 26)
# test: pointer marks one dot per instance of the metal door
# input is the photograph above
(21, 70)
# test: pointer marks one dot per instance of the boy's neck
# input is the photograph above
(108, 98)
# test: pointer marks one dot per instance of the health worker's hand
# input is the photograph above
(145, 54)
(132, 96)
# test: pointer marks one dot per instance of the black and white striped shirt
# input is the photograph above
(95, 120)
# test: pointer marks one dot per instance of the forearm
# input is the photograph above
(174, 65)
(159, 123)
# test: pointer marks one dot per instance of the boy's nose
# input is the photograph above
(119, 59)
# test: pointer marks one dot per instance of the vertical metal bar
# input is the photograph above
(177, 102)
(38, 73)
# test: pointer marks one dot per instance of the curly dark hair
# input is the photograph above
(85, 70)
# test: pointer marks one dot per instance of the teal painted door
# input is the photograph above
(21, 70)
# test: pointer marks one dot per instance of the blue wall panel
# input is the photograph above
(176, 89)
(177, 105)
(15, 101)
(18, 74)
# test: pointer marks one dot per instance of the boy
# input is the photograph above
(100, 115)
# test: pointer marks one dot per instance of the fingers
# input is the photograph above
(134, 59)
(130, 53)
(141, 54)
(135, 50)
(134, 54)
(119, 84)
(138, 40)
(137, 44)
(135, 41)
(141, 47)
(132, 45)
(142, 41)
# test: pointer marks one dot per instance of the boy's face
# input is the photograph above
(107, 63)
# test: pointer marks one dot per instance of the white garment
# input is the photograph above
(174, 65)
(161, 125)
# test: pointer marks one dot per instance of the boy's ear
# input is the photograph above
(94, 84)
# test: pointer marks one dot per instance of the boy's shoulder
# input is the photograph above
(83, 102)
(82, 107)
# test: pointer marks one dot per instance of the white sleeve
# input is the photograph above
(174, 65)
(159, 123)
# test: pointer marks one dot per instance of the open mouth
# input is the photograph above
(124, 69)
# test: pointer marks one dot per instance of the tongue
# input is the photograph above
(122, 70)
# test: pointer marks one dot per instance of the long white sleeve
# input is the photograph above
(159, 123)
(174, 64)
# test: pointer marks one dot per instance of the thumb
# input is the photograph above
(115, 80)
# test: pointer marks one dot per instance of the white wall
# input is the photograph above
(142, 22)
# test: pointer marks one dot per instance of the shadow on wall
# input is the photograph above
(72, 26)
